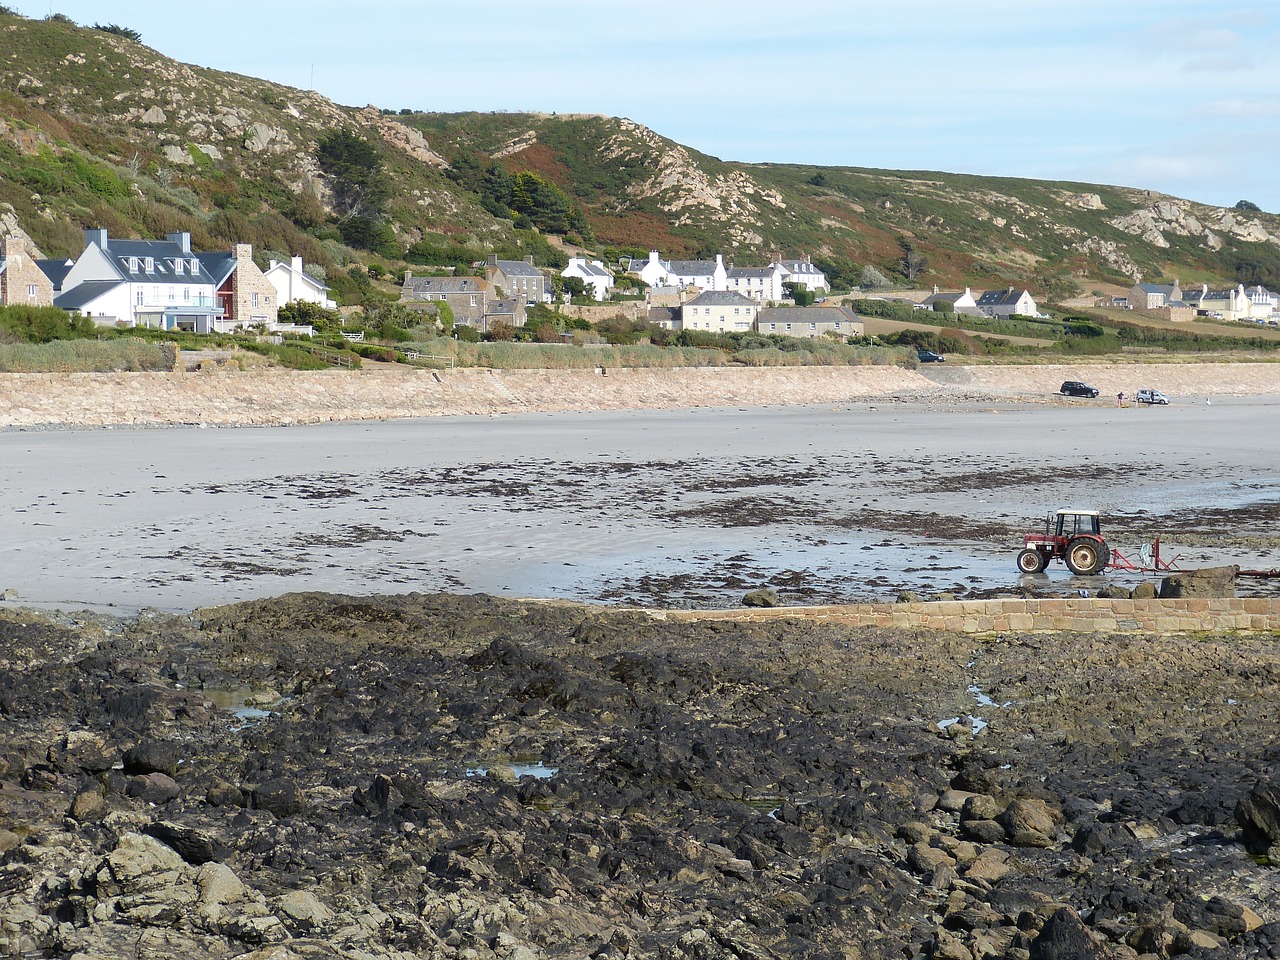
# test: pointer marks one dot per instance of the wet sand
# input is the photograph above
(689, 508)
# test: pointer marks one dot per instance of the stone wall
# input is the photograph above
(20, 275)
(249, 281)
(1251, 615)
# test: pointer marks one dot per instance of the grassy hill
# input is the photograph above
(99, 130)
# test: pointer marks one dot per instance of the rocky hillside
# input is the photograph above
(96, 129)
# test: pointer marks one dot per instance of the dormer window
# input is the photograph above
(133, 264)
(194, 264)
(177, 267)
(149, 264)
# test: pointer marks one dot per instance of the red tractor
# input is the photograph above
(1073, 536)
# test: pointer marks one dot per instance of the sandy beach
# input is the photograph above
(693, 507)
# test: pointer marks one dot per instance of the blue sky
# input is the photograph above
(1179, 96)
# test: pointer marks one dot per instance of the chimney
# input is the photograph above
(183, 240)
(98, 237)
(529, 259)
(243, 251)
(719, 261)
(296, 263)
(408, 275)
(493, 260)
(935, 289)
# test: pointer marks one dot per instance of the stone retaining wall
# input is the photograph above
(1253, 615)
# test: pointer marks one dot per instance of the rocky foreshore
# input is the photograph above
(220, 396)
(458, 777)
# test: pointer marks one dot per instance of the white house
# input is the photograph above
(594, 274)
(165, 285)
(1006, 303)
(952, 302)
(706, 275)
(719, 311)
(804, 274)
(762, 284)
(293, 283)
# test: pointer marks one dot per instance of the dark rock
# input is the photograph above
(152, 756)
(82, 750)
(1065, 937)
(281, 797)
(154, 788)
(1205, 583)
(1258, 813)
(194, 846)
(983, 831)
(1113, 592)
(761, 598)
(223, 794)
(1144, 591)
(981, 807)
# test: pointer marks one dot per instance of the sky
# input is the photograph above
(1177, 96)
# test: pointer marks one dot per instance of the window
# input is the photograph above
(736, 311)
(32, 292)
(133, 264)
(149, 265)
(177, 267)
(253, 300)
(195, 266)
(173, 295)
(186, 294)
(139, 297)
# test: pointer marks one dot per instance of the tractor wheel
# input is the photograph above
(1085, 557)
(1031, 561)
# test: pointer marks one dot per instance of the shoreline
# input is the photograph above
(287, 398)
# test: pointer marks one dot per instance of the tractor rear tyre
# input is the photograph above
(1031, 561)
(1085, 557)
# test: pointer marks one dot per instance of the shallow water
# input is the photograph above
(688, 508)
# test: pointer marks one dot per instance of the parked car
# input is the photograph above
(928, 356)
(1151, 396)
(1074, 388)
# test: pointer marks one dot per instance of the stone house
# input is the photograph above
(1007, 303)
(517, 278)
(247, 297)
(471, 299)
(719, 311)
(594, 274)
(1153, 296)
(292, 284)
(21, 279)
(808, 322)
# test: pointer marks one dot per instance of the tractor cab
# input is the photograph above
(1073, 536)
(1071, 523)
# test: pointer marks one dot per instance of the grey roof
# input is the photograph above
(741, 273)
(500, 308)
(1165, 288)
(83, 294)
(219, 265)
(419, 286)
(997, 298)
(55, 270)
(806, 315)
(799, 266)
(721, 298)
(691, 268)
(591, 270)
(663, 314)
(518, 268)
(943, 298)
(163, 253)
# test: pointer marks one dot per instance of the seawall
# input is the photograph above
(1087, 615)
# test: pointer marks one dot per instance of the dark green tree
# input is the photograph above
(359, 184)
(1248, 206)
(119, 31)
